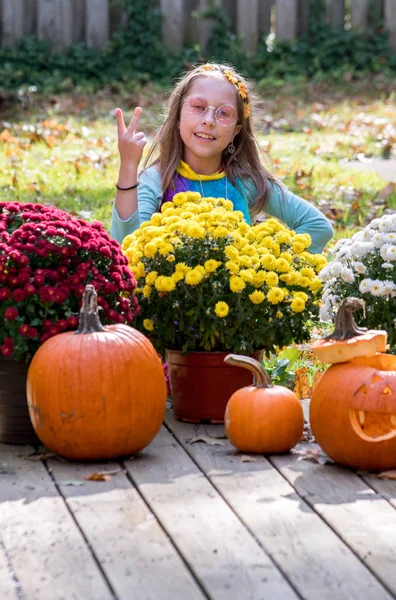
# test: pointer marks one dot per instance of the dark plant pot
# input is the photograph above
(15, 424)
(202, 383)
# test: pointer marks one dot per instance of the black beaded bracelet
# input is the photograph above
(128, 188)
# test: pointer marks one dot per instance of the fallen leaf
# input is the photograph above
(387, 475)
(314, 454)
(97, 477)
(39, 456)
(246, 458)
(211, 441)
(70, 482)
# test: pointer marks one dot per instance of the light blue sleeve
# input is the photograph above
(297, 214)
(149, 201)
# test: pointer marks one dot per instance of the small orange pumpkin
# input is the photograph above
(262, 418)
(353, 412)
(348, 341)
(97, 393)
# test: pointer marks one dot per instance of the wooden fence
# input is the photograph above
(64, 22)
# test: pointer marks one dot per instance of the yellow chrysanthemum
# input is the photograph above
(170, 258)
(211, 265)
(182, 268)
(259, 278)
(297, 305)
(298, 247)
(302, 295)
(231, 252)
(308, 272)
(166, 249)
(193, 277)
(268, 262)
(303, 281)
(283, 237)
(287, 256)
(315, 284)
(147, 291)
(257, 297)
(164, 284)
(222, 309)
(148, 324)
(236, 284)
(272, 279)
(275, 295)
(150, 249)
(177, 276)
(151, 277)
(232, 266)
(282, 265)
(247, 275)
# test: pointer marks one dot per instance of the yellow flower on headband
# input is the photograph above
(242, 90)
(246, 111)
(231, 77)
(207, 67)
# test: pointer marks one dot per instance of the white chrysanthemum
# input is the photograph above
(365, 286)
(374, 224)
(385, 225)
(390, 237)
(362, 249)
(387, 265)
(366, 235)
(335, 268)
(359, 267)
(388, 288)
(383, 251)
(377, 288)
(347, 275)
(390, 253)
(324, 273)
(378, 239)
(344, 253)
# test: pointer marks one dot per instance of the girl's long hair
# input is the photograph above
(167, 148)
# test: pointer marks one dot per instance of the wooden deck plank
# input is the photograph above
(44, 546)
(134, 552)
(310, 554)
(360, 516)
(385, 487)
(8, 585)
(225, 557)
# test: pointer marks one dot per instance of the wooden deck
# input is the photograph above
(189, 519)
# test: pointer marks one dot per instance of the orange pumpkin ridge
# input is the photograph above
(98, 393)
(262, 418)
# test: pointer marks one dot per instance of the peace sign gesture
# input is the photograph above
(130, 142)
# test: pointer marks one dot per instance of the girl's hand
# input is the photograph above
(130, 143)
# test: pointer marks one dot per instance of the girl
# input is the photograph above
(206, 144)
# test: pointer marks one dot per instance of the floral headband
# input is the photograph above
(240, 86)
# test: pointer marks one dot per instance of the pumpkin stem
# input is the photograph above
(89, 313)
(345, 326)
(261, 377)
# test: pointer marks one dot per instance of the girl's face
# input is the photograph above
(206, 133)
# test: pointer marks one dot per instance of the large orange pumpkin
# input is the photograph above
(353, 412)
(97, 393)
(349, 341)
(262, 418)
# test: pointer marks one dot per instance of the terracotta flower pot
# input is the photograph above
(202, 383)
(15, 424)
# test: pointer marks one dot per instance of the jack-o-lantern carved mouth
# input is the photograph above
(373, 426)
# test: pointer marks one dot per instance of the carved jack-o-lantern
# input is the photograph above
(353, 412)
